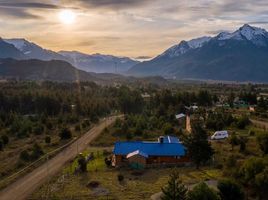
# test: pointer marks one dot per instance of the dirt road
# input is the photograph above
(26, 185)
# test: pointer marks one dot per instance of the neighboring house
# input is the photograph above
(181, 118)
(240, 103)
(146, 97)
(140, 154)
(252, 108)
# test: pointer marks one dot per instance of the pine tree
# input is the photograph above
(175, 190)
(198, 147)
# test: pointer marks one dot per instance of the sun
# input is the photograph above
(67, 16)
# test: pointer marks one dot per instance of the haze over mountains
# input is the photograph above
(238, 56)
(99, 63)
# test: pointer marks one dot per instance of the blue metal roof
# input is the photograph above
(150, 148)
(171, 139)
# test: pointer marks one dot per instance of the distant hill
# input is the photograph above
(61, 71)
(238, 56)
(99, 63)
(19, 48)
(54, 70)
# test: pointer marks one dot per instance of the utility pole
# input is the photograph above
(115, 67)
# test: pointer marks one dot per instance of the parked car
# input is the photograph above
(218, 135)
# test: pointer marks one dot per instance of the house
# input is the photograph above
(141, 154)
(252, 108)
(181, 118)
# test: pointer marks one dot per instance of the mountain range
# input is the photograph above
(98, 63)
(22, 49)
(241, 55)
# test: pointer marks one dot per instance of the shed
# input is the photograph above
(137, 159)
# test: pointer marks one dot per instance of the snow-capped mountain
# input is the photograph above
(33, 51)
(241, 55)
(246, 32)
(185, 46)
(8, 50)
(98, 63)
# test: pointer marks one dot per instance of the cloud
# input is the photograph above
(258, 22)
(143, 57)
(17, 13)
(28, 5)
(216, 32)
(114, 4)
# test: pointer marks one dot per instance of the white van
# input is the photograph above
(220, 135)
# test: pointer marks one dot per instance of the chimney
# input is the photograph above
(161, 139)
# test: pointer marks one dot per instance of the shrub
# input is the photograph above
(168, 129)
(48, 140)
(120, 177)
(233, 140)
(38, 129)
(251, 133)
(77, 127)
(202, 191)
(82, 163)
(262, 139)
(65, 134)
(108, 162)
(37, 151)
(242, 122)
(230, 190)
(242, 142)
(5, 139)
(1, 146)
(24, 155)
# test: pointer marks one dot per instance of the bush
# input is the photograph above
(242, 142)
(251, 133)
(38, 129)
(37, 152)
(242, 122)
(262, 139)
(77, 127)
(1, 146)
(168, 129)
(82, 163)
(233, 140)
(65, 134)
(25, 156)
(108, 162)
(129, 135)
(202, 191)
(5, 139)
(230, 190)
(120, 177)
(48, 140)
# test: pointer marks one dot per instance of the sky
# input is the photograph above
(138, 29)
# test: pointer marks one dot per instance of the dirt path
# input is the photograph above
(259, 123)
(26, 185)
